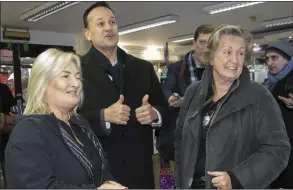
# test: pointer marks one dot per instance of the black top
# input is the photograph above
(199, 172)
(199, 72)
(88, 147)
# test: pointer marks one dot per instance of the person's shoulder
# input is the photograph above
(137, 60)
(30, 127)
(258, 89)
(192, 89)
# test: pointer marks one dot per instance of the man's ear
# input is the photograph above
(87, 34)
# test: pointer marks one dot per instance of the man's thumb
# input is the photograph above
(121, 99)
(145, 99)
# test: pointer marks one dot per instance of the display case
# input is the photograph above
(7, 70)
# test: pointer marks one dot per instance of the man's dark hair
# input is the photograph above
(203, 29)
(97, 4)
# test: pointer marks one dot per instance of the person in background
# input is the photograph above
(19, 109)
(122, 95)
(280, 83)
(51, 146)
(180, 75)
(7, 100)
(230, 131)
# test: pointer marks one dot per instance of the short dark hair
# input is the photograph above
(203, 29)
(87, 12)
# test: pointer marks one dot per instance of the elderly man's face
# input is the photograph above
(229, 57)
(275, 62)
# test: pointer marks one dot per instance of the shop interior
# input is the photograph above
(32, 34)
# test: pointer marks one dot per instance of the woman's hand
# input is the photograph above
(221, 180)
(111, 185)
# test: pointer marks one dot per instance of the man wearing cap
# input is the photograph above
(280, 83)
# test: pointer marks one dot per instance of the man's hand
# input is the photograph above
(175, 101)
(117, 113)
(287, 101)
(145, 114)
(111, 185)
(221, 180)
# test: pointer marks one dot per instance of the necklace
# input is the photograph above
(74, 134)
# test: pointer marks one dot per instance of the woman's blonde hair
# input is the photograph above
(215, 38)
(47, 66)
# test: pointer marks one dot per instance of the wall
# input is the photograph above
(47, 38)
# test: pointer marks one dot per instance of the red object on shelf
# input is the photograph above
(6, 53)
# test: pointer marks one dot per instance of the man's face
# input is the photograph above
(275, 62)
(102, 29)
(200, 44)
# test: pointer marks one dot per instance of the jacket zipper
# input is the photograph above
(214, 116)
(193, 152)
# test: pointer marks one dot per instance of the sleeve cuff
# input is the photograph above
(234, 181)
(159, 122)
(104, 124)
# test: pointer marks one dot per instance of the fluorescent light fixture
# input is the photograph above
(227, 6)
(46, 9)
(278, 22)
(182, 38)
(169, 19)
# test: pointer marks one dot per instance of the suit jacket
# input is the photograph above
(130, 147)
(47, 161)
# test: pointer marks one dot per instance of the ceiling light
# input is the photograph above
(45, 10)
(183, 38)
(278, 22)
(148, 24)
(290, 37)
(227, 6)
(256, 49)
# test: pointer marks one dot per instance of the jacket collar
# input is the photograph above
(238, 95)
(121, 55)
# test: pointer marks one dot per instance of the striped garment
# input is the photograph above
(78, 152)
(17, 109)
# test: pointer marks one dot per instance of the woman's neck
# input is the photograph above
(61, 114)
(221, 87)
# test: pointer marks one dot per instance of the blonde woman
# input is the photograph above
(51, 146)
(230, 131)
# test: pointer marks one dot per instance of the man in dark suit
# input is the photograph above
(180, 75)
(123, 97)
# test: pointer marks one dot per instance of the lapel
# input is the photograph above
(130, 68)
(94, 72)
(238, 98)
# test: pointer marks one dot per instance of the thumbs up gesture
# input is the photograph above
(145, 114)
(117, 113)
